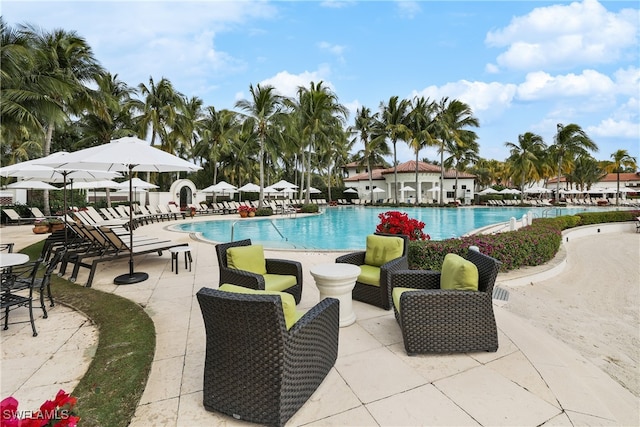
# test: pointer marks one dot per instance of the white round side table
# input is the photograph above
(337, 281)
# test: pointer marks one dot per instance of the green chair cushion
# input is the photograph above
(382, 249)
(369, 275)
(248, 258)
(395, 295)
(278, 282)
(458, 274)
(291, 315)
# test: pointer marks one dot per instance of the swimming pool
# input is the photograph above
(345, 228)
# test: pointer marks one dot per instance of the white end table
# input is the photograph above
(175, 251)
(337, 281)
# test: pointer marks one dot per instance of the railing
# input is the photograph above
(233, 228)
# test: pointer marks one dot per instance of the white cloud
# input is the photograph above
(286, 84)
(628, 81)
(408, 9)
(487, 100)
(566, 35)
(334, 49)
(611, 128)
(541, 85)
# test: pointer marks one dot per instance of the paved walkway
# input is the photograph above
(533, 379)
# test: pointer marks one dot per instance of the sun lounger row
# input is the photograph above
(89, 245)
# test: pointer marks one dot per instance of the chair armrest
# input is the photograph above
(416, 279)
(283, 266)
(355, 258)
(401, 263)
(428, 304)
(316, 333)
(241, 278)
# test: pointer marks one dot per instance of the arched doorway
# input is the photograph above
(183, 191)
(186, 196)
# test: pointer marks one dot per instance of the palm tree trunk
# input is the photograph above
(395, 173)
(418, 198)
(442, 175)
(47, 150)
(261, 172)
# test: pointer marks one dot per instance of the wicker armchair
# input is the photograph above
(257, 370)
(445, 321)
(253, 280)
(379, 296)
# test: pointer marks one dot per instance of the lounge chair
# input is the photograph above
(15, 218)
(120, 243)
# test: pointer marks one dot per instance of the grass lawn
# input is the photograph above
(109, 392)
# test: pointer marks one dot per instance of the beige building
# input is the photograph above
(428, 188)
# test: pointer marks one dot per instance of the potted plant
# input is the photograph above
(56, 224)
(246, 211)
(41, 226)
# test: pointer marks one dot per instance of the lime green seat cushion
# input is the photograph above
(291, 315)
(369, 275)
(247, 258)
(382, 249)
(278, 282)
(395, 295)
(458, 274)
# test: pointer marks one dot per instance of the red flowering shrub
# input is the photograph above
(56, 413)
(245, 208)
(394, 222)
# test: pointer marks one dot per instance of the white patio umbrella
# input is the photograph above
(283, 184)
(220, 187)
(270, 190)
(312, 190)
(407, 188)
(137, 184)
(32, 185)
(378, 190)
(351, 190)
(250, 188)
(434, 190)
(487, 190)
(128, 154)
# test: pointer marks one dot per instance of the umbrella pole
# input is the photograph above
(131, 277)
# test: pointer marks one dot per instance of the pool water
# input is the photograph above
(345, 228)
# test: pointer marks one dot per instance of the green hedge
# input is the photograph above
(529, 246)
(310, 208)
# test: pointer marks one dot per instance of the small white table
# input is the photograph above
(175, 251)
(9, 260)
(337, 281)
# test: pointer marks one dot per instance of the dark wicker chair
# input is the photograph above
(445, 321)
(253, 280)
(379, 296)
(257, 370)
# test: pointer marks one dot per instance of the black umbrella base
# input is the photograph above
(130, 278)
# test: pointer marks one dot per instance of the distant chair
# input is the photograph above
(259, 365)
(15, 218)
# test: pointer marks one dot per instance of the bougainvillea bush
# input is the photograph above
(52, 413)
(528, 246)
(394, 222)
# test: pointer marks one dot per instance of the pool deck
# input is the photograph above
(533, 379)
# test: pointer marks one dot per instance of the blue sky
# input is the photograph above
(523, 66)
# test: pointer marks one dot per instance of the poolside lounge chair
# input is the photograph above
(117, 246)
(15, 218)
(437, 320)
(258, 366)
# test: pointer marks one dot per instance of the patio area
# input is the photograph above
(533, 379)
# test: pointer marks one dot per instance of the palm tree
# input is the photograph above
(217, 131)
(462, 154)
(396, 122)
(621, 160)
(422, 130)
(160, 105)
(452, 119)
(263, 109)
(62, 70)
(321, 117)
(571, 141)
(524, 161)
(370, 132)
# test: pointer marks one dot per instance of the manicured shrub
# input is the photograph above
(310, 208)
(264, 211)
(587, 218)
